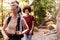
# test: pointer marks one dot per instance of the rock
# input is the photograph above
(41, 26)
(35, 29)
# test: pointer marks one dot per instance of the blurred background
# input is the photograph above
(44, 11)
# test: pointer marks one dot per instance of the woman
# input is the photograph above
(30, 22)
(11, 27)
(58, 21)
(58, 24)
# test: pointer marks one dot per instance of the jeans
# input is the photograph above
(27, 37)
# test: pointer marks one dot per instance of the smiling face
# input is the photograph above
(26, 11)
(13, 9)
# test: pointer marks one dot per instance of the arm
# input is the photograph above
(32, 27)
(24, 24)
(57, 22)
(4, 27)
(3, 30)
(31, 31)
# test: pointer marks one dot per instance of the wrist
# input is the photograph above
(30, 30)
(5, 35)
(22, 33)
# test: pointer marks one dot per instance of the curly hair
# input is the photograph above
(27, 7)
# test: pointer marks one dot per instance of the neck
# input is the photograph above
(27, 14)
(15, 15)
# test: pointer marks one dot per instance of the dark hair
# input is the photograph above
(16, 6)
(27, 7)
(17, 2)
(19, 11)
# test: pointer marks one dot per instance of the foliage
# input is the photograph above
(40, 8)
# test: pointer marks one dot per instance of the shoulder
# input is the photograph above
(6, 18)
(24, 16)
(22, 19)
(32, 17)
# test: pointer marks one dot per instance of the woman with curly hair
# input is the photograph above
(30, 22)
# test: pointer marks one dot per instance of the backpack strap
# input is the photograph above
(8, 20)
(18, 27)
(18, 24)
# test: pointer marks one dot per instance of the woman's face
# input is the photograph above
(14, 9)
(27, 11)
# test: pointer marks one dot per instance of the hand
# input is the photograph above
(6, 37)
(30, 32)
(18, 32)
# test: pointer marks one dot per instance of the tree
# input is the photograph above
(40, 8)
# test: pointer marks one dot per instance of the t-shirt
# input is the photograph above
(29, 20)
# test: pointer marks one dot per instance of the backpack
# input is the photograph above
(17, 26)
